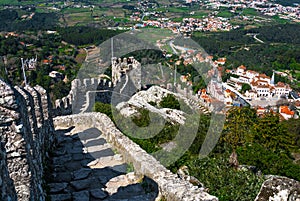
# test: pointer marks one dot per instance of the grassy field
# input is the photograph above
(14, 2)
(225, 14)
(279, 20)
(250, 11)
(114, 1)
(168, 49)
(201, 14)
(77, 16)
(80, 57)
(152, 35)
(74, 18)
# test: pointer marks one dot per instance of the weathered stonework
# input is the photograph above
(26, 135)
(83, 91)
(170, 185)
(7, 192)
(279, 188)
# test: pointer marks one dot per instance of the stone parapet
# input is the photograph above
(26, 132)
(170, 185)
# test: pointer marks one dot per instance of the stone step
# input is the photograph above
(94, 142)
(144, 197)
(102, 153)
(124, 186)
(61, 197)
(108, 161)
(96, 148)
(84, 165)
(89, 134)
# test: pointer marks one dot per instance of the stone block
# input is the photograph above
(82, 173)
(57, 187)
(98, 193)
(81, 196)
(81, 184)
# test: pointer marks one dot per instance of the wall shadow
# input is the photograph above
(74, 173)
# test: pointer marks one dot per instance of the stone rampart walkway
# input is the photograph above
(84, 167)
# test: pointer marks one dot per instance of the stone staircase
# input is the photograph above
(198, 106)
(84, 167)
(203, 109)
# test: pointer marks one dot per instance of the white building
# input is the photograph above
(282, 89)
(251, 74)
(241, 70)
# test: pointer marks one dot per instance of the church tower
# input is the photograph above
(273, 79)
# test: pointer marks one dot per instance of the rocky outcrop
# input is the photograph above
(278, 188)
(26, 134)
(155, 94)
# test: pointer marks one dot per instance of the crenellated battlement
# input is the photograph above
(81, 91)
(26, 136)
(121, 66)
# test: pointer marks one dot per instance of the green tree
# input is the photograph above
(143, 119)
(223, 181)
(294, 65)
(293, 128)
(269, 162)
(199, 84)
(170, 101)
(60, 89)
(273, 135)
(103, 108)
(245, 87)
(236, 129)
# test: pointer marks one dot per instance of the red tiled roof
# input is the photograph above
(263, 86)
(222, 60)
(286, 110)
(280, 84)
(264, 76)
(242, 67)
(252, 71)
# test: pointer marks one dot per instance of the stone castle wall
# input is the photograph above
(26, 133)
(170, 185)
(7, 192)
(70, 103)
(131, 68)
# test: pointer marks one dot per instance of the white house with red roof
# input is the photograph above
(261, 84)
(286, 113)
(263, 78)
(241, 70)
(251, 74)
(263, 91)
(282, 89)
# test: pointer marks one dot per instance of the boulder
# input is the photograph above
(279, 188)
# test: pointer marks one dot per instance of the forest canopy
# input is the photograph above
(12, 21)
(280, 49)
(83, 35)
